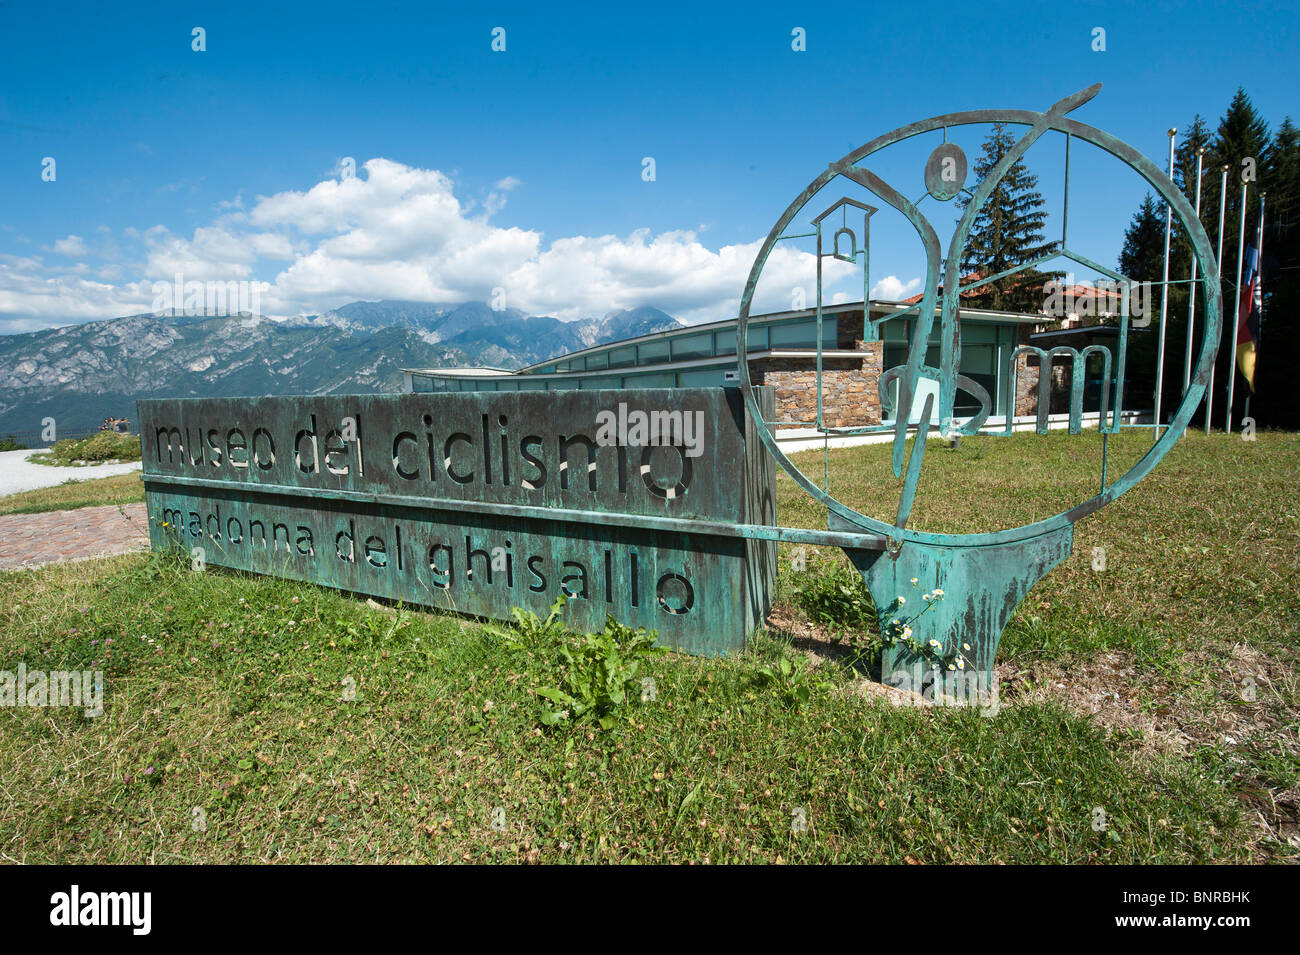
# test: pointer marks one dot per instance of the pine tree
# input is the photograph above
(1282, 180)
(1144, 243)
(1007, 232)
(1279, 347)
(1141, 260)
(1242, 134)
(1196, 138)
(1193, 139)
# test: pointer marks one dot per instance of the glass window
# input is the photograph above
(900, 330)
(421, 383)
(895, 354)
(894, 330)
(703, 378)
(756, 338)
(794, 334)
(658, 380)
(692, 346)
(724, 343)
(622, 357)
(653, 353)
(593, 384)
(529, 383)
(977, 359)
(598, 360)
(830, 337)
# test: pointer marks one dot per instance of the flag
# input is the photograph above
(1251, 306)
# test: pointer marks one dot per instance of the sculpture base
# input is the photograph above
(981, 586)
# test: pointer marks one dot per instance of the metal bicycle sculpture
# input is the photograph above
(979, 578)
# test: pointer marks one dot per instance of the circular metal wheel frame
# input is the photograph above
(1039, 123)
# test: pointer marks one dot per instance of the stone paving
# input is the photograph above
(31, 540)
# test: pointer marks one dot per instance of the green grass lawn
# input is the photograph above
(227, 736)
(1202, 552)
(120, 489)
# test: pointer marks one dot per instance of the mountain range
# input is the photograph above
(81, 374)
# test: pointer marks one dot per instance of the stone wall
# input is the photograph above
(849, 395)
(848, 327)
(1027, 372)
(1026, 385)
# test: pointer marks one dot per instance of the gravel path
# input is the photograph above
(18, 474)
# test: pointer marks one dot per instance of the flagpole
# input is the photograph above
(1164, 298)
(1236, 309)
(1191, 298)
(1223, 208)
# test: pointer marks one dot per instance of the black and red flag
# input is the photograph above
(1251, 306)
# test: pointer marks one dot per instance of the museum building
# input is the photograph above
(781, 349)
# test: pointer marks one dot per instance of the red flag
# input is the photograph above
(1250, 308)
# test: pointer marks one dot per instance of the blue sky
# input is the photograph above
(522, 169)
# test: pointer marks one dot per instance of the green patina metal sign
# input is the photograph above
(631, 503)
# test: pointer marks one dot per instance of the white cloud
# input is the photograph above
(33, 296)
(893, 289)
(399, 232)
(215, 253)
(268, 245)
(73, 245)
(673, 271)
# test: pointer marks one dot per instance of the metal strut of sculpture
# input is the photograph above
(982, 576)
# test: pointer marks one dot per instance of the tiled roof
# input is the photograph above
(1075, 291)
